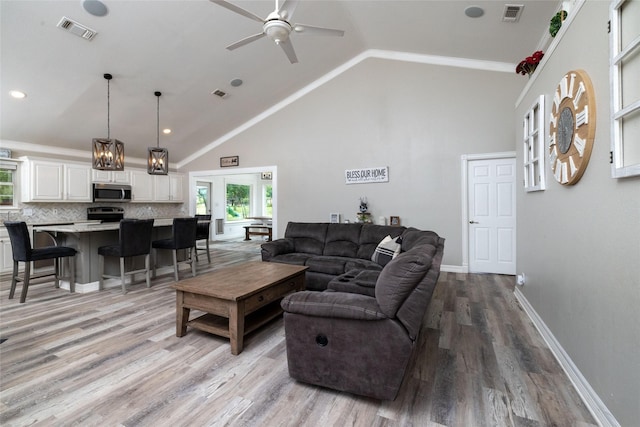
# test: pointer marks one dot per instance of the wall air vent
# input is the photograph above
(512, 12)
(76, 28)
(219, 93)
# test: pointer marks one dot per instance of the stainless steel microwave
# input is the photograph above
(111, 193)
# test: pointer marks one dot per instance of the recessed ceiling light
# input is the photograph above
(474, 11)
(95, 7)
(166, 131)
(236, 82)
(17, 94)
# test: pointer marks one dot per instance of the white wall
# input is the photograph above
(579, 246)
(416, 119)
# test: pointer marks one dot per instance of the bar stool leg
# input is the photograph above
(193, 263)
(208, 253)
(175, 263)
(101, 272)
(25, 285)
(72, 274)
(124, 288)
(14, 279)
(147, 273)
(56, 271)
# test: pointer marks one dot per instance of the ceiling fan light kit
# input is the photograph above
(277, 27)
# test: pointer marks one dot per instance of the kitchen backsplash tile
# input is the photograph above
(72, 212)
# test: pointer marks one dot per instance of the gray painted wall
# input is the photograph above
(579, 246)
(416, 119)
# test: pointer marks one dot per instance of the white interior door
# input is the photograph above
(492, 215)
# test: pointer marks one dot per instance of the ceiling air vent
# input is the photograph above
(219, 93)
(512, 12)
(76, 28)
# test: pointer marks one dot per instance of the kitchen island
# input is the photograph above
(87, 237)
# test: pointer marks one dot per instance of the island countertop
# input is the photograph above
(91, 226)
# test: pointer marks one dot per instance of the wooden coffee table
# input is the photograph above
(236, 299)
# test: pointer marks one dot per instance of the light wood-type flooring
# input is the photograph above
(107, 359)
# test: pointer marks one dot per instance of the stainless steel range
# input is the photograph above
(105, 213)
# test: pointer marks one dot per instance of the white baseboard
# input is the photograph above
(596, 406)
(454, 268)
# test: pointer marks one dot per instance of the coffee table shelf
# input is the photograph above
(219, 325)
(236, 299)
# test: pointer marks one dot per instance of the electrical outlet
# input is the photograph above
(27, 212)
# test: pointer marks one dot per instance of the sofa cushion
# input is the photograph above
(307, 237)
(361, 264)
(292, 258)
(387, 249)
(371, 235)
(412, 237)
(327, 264)
(332, 304)
(342, 240)
(398, 278)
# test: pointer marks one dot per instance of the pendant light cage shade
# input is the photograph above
(108, 154)
(158, 158)
(158, 161)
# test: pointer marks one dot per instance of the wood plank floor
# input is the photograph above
(107, 359)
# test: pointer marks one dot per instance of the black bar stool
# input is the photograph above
(23, 252)
(183, 237)
(202, 233)
(135, 240)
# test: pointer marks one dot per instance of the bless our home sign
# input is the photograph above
(366, 175)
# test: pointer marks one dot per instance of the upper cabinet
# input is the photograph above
(168, 188)
(47, 181)
(116, 177)
(157, 188)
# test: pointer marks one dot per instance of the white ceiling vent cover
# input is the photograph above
(76, 28)
(512, 12)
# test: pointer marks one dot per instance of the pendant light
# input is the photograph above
(108, 154)
(158, 160)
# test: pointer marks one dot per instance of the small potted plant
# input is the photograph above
(556, 22)
(530, 63)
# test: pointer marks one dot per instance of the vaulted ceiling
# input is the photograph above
(178, 48)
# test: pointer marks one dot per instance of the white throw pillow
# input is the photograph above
(387, 249)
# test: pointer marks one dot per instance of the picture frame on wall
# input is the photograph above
(226, 162)
(334, 218)
(394, 220)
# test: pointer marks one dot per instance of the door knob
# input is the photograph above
(473, 222)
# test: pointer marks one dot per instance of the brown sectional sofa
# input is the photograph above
(360, 333)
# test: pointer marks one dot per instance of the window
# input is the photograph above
(238, 202)
(7, 184)
(267, 202)
(625, 88)
(534, 149)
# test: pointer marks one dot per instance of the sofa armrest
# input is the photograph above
(276, 247)
(333, 304)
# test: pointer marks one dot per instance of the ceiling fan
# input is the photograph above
(276, 26)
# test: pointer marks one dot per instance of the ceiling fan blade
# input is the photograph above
(239, 10)
(287, 9)
(317, 31)
(288, 49)
(245, 41)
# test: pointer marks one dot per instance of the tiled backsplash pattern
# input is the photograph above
(72, 212)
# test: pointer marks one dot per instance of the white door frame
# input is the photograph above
(465, 159)
(194, 176)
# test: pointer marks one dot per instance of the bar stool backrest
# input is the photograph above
(135, 237)
(20, 240)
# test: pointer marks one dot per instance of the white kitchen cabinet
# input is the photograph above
(142, 186)
(168, 188)
(6, 255)
(47, 181)
(116, 177)
(77, 179)
(156, 188)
